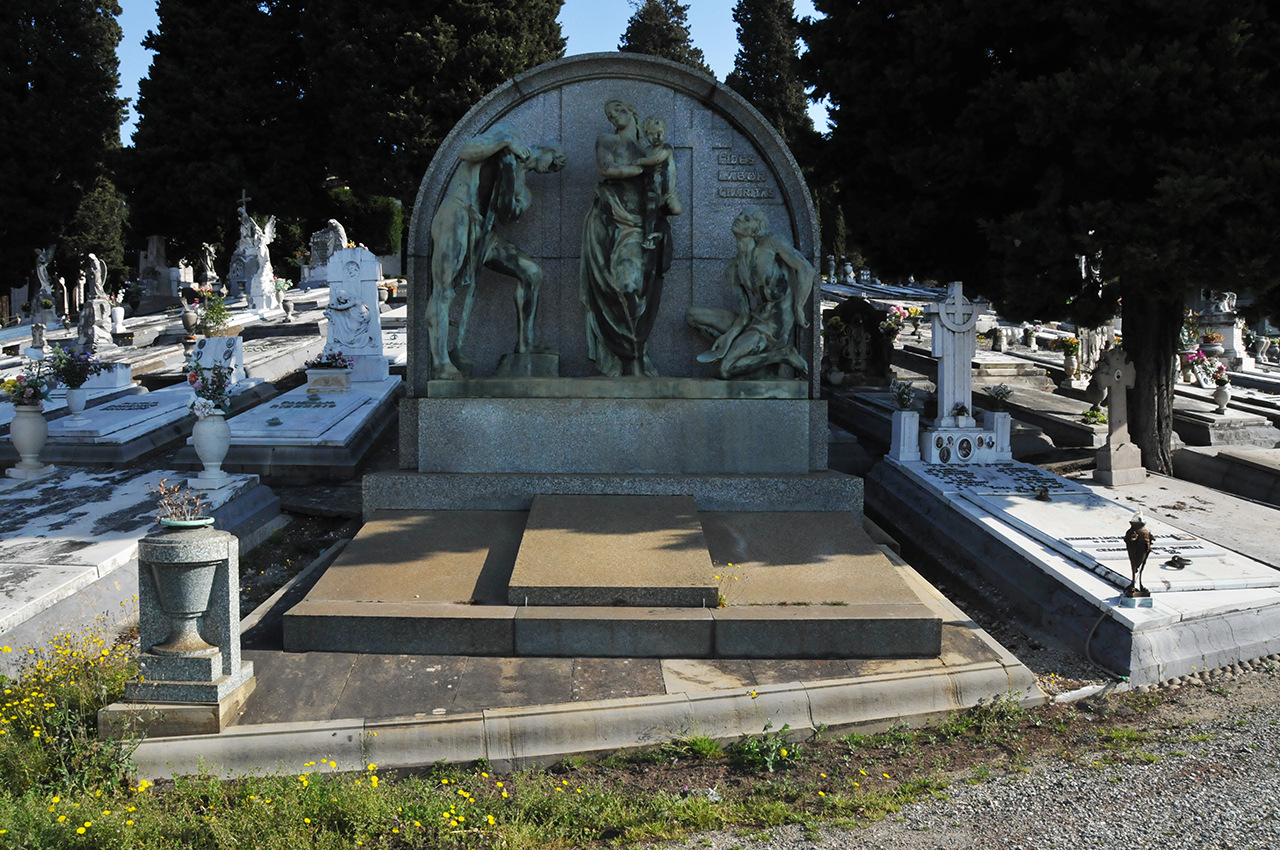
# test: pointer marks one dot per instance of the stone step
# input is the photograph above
(613, 550)
(802, 585)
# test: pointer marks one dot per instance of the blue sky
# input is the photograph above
(589, 26)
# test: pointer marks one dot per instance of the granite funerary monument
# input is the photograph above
(580, 475)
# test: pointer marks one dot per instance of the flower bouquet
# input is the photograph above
(331, 360)
(73, 369)
(893, 322)
(1220, 376)
(212, 386)
(1070, 345)
(31, 388)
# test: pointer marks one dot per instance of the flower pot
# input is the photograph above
(328, 380)
(184, 590)
(1070, 363)
(189, 320)
(194, 522)
(1184, 360)
(117, 320)
(383, 295)
(1222, 397)
(288, 309)
(28, 432)
(211, 437)
(77, 398)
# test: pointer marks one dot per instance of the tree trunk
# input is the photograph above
(1151, 328)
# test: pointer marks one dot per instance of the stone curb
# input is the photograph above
(512, 738)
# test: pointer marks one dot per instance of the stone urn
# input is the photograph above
(190, 319)
(1095, 393)
(1260, 346)
(1222, 397)
(1070, 364)
(28, 432)
(77, 398)
(211, 436)
(188, 345)
(184, 583)
(1213, 349)
(287, 305)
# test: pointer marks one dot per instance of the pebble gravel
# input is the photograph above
(1207, 775)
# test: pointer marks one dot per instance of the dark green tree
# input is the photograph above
(220, 112)
(766, 70)
(994, 141)
(387, 81)
(661, 28)
(62, 123)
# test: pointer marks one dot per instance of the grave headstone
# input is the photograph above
(1119, 461)
(956, 437)
(355, 325)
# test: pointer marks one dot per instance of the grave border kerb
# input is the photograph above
(735, 109)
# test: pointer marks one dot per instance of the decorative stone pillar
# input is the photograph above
(905, 446)
(192, 680)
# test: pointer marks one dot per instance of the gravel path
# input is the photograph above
(1206, 776)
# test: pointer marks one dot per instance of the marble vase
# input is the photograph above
(211, 437)
(77, 398)
(1222, 397)
(28, 432)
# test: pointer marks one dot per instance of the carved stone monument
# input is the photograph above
(95, 317)
(255, 241)
(772, 282)
(324, 244)
(40, 314)
(955, 436)
(355, 326)
(1119, 461)
(488, 189)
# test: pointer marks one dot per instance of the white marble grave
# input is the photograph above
(125, 419)
(956, 436)
(64, 532)
(298, 418)
(355, 326)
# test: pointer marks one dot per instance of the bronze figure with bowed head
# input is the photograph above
(488, 189)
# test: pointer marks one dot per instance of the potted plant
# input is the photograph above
(999, 395)
(1070, 353)
(330, 372)
(183, 587)
(211, 435)
(1211, 345)
(1222, 392)
(25, 307)
(28, 431)
(282, 285)
(73, 370)
(214, 318)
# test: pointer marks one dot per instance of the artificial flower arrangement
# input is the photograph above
(331, 360)
(999, 395)
(894, 321)
(1220, 376)
(1070, 345)
(212, 386)
(959, 410)
(73, 368)
(31, 388)
(903, 393)
(1211, 338)
(283, 283)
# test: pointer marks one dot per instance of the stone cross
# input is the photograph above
(1117, 375)
(954, 321)
(1119, 461)
(244, 198)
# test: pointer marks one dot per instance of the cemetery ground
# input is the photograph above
(997, 775)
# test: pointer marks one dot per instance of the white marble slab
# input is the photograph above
(395, 346)
(126, 418)
(1001, 477)
(332, 419)
(27, 589)
(1089, 529)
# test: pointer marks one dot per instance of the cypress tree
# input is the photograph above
(661, 28)
(62, 121)
(766, 70)
(994, 141)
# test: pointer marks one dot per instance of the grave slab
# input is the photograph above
(613, 550)
(1012, 563)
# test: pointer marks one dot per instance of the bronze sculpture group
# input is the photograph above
(626, 252)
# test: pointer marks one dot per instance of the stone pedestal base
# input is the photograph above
(1119, 466)
(28, 474)
(163, 719)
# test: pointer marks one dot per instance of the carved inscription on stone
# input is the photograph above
(736, 177)
(284, 405)
(132, 405)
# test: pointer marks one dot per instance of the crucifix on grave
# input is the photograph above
(954, 322)
(1119, 461)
